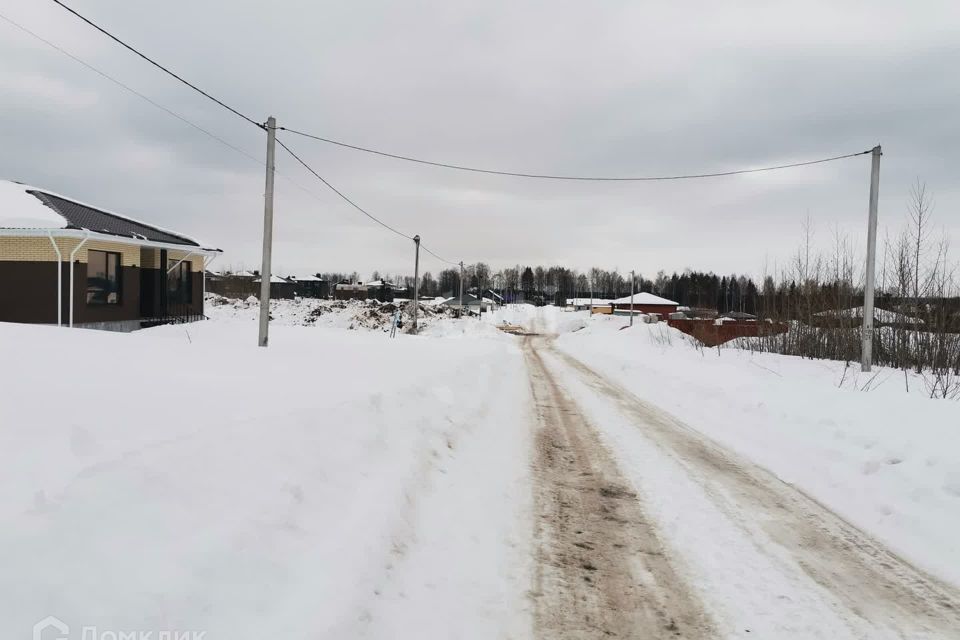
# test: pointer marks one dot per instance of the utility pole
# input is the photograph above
(461, 287)
(866, 349)
(633, 280)
(267, 232)
(416, 282)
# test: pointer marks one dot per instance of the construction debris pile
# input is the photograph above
(368, 315)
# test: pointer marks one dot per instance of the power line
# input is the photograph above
(130, 89)
(156, 104)
(438, 257)
(341, 194)
(158, 65)
(206, 132)
(542, 176)
(353, 204)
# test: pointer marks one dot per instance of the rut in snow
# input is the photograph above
(873, 583)
(601, 568)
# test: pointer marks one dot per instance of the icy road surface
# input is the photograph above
(648, 529)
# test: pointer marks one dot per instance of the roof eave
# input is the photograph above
(106, 237)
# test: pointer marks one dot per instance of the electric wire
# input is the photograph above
(371, 150)
(206, 132)
(424, 247)
(158, 65)
(158, 105)
(542, 176)
(127, 87)
(356, 206)
(340, 193)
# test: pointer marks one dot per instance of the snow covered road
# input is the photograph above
(761, 558)
(601, 567)
(463, 483)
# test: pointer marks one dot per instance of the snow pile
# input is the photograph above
(544, 320)
(370, 315)
(469, 326)
(182, 478)
(21, 210)
(885, 459)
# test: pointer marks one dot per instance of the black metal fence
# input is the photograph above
(176, 313)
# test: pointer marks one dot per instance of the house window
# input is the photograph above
(103, 277)
(179, 283)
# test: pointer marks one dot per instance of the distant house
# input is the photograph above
(470, 303)
(645, 302)
(346, 290)
(380, 290)
(280, 288)
(582, 304)
(64, 262)
(310, 286)
(738, 316)
(853, 317)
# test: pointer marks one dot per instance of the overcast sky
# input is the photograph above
(599, 88)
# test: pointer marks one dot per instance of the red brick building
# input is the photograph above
(645, 303)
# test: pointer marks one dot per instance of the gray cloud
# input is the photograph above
(616, 88)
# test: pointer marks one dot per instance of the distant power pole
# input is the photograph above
(633, 280)
(416, 281)
(461, 287)
(267, 232)
(866, 350)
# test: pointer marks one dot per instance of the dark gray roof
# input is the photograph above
(81, 216)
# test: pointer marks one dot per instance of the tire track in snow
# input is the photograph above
(601, 568)
(873, 583)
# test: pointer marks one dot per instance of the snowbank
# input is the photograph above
(181, 478)
(887, 460)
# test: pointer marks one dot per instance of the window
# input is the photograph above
(103, 277)
(179, 283)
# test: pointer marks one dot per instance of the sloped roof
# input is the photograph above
(644, 298)
(80, 216)
(64, 213)
(879, 315)
(274, 279)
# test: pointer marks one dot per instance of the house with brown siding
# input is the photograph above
(66, 263)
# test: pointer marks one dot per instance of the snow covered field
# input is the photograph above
(886, 460)
(343, 484)
(181, 478)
